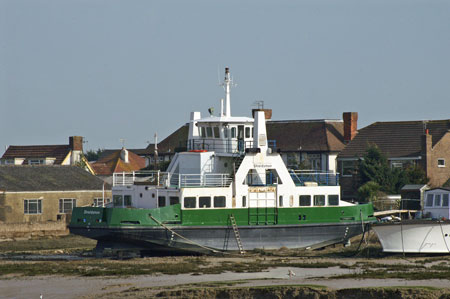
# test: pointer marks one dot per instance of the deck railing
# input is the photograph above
(165, 179)
(311, 177)
(230, 146)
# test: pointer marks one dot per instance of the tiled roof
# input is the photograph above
(395, 139)
(20, 178)
(172, 142)
(320, 135)
(59, 152)
(113, 163)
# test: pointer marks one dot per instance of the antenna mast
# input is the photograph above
(227, 83)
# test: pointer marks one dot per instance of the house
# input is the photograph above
(422, 143)
(66, 154)
(46, 194)
(115, 162)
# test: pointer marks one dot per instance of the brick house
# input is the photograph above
(422, 143)
(45, 194)
(66, 154)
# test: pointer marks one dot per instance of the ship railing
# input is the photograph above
(229, 146)
(199, 180)
(314, 177)
(152, 177)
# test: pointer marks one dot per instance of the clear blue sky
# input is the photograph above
(107, 69)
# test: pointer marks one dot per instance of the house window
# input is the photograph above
(98, 202)
(333, 200)
(161, 201)
(305, 200)
(319, 200)
(66, 205)
(204, 201)
(292, 160)
(8, 162)
(32, 206)
(441, 162)
(429, 202)
(219, 201)
(190, 202)
(35, 161)
(174, 200)
(348, 167)
(437, 200)
(445, 200)
(397, 165)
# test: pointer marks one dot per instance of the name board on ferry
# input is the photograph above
(261, 189)
(262, 165)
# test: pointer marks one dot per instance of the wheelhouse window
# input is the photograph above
(204, 201)
(247, 132)
(233, 132)
(429, 201)
(161, 201)
(437, 200)
(209, 132)
(319, 200)
(225, 132)
(305, 200)
(190, 202)
(203, 132)
(66, 205)
(174, 200)
(441, 162)
(216, 132)
(219, 201)
(445, 199)
(333, 200)
(32, 206)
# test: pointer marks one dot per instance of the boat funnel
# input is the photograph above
(260, 134)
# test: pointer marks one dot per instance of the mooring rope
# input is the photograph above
(184, 238)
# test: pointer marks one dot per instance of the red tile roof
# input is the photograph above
(113, 163)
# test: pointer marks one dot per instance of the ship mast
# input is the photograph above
(227, 86)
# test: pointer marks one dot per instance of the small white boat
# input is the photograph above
(425, 235)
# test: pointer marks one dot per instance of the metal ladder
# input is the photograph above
(236, 234)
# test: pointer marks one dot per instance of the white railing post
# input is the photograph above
(179, 180)
(123, 178)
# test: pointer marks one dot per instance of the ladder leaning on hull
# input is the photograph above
(236, 234)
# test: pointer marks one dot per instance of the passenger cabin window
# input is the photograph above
(333, 200)
(244, 201)
(127, 200)
(174, 200)
(190, 202)
(429, 202)
(305, 200)
(219, 201)
(204, 202)
(280, 200)
(437, 200)
(161, 201)
(247, 132)
(118, 200)
(319, 200)
(445, 200)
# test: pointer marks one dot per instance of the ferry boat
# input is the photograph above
(229, 191)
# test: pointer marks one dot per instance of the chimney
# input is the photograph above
(350, 125)
(267, 113)
(76, 143)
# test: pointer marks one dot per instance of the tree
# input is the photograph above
(92, 155)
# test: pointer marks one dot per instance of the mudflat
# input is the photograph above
(66, 267)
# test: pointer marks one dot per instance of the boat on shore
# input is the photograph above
(229, 191)
(428, 233)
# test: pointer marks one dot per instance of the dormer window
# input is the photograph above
(35, 161)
